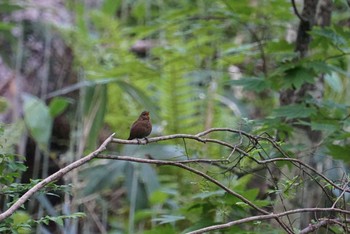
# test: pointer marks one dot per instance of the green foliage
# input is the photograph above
(3, 105)
(185, 83)
(294, 111)
(10, 168)
(11, 165)
(94, 108)
(252, 84)
(339, 151)
(21, 222)
(331, 36)
(35, 114)
(58, 219)
(168, 219)
(57, 106)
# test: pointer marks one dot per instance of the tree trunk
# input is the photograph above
(315, 12)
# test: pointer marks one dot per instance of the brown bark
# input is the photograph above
(315, 12)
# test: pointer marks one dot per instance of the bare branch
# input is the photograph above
(304, 165)
(197, 137)
(341, 194)
(57, 175)
(296, 11)
(265, 217)
(181, 165)
(323, 223)
(254, 143)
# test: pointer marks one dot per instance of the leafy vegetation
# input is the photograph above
(194, 65)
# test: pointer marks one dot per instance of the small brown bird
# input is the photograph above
(142, 127)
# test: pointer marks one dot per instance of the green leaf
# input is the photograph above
(7, 6)
(57, 106)
(38, 119)
(329, 34)
(94, 112)
(294, 111)
(339, 152)
(109, 7)
(318, 66)
(297, 76)
(253, 84)
(3, 104)
(242, 204)
(205, 195)
(334, 82)
(329, 126)
(6, 26)
(140, 97)
(168, 219)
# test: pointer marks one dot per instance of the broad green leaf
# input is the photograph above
(38, 119)
(57, 106)
(294, 111)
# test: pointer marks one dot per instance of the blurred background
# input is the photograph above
(74, 71)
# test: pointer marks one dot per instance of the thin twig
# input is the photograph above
(304, 165)
(296, 11)
(341, 195)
